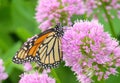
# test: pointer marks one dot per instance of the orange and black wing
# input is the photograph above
(49, 53)
(27, 52)
(45, 49)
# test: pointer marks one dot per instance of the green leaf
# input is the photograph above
(23, 33)
(78, 17)
(63, 74)
(5, 42)
(7, 58)
(114, 78)
(23, 15)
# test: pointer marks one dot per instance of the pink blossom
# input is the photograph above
(50, 12)
(27, 66)
(87, 49)
(3, 75)
(36, 78)
(109, 5)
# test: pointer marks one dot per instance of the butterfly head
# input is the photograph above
(59, 30)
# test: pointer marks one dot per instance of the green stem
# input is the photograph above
(109, 19)
(56, 76)
(102, 81)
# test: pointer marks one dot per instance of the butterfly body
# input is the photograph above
(44, 49)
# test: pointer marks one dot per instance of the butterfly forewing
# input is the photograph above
(23, 54)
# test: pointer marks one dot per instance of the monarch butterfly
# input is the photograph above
(44, 49)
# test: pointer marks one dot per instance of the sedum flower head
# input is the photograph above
(90, 51)
(50, 12)
(36, 78)
(3, 75)
(94, 7)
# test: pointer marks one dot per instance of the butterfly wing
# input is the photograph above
(27, 52)
(49, 53)
(45, 49)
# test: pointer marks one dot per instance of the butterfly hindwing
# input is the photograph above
(49, 53)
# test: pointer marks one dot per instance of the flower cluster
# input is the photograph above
(50, 12)
(36, 78)
(90, 51)
(3, 75)
(107, 5)
(32, 76)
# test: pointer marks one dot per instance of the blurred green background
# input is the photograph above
(17, 23)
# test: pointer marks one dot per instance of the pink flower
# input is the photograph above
(27, 66)
(36, 78)
(50, 12)
(109, 5)
(88, 50)
(74, 7)
(3, 75)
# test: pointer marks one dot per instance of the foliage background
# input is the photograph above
(17, 23)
